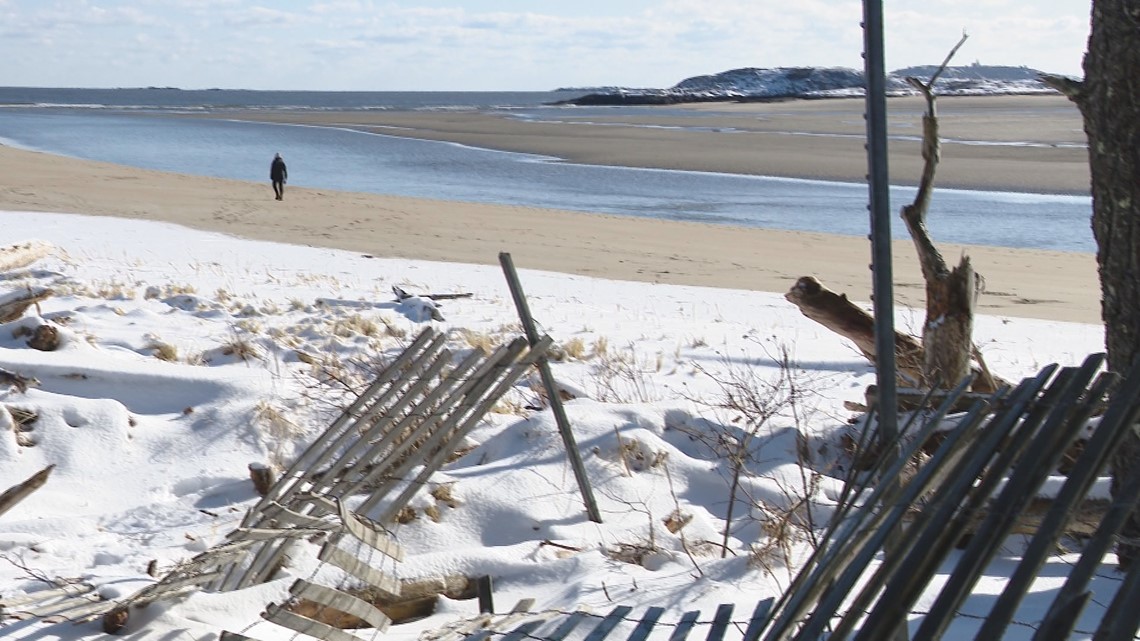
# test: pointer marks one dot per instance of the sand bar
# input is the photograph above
(1006, 143)
(1041, 284)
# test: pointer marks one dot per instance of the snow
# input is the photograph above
(186, 356)
(837, 82)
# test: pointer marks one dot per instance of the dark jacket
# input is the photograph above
(277, 170)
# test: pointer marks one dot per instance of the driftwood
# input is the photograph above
(835, 312)
(13, 306)
(951, 294)
(17, 493)
(402, 294)
(946, 353)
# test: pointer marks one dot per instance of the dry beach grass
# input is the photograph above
(1028, 283)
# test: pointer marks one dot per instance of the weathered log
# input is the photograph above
(402, 294)
(17, 493)
(835, 312)
(13, 305)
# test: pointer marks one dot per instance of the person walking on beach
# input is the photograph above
(278, 174)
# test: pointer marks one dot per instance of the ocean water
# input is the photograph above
(142, 128)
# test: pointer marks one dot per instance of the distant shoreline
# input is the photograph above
(1029, 144)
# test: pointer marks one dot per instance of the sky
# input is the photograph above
(447, 45)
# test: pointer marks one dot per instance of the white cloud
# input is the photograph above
(441, 44)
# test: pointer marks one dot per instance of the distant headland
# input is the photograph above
(785, 83)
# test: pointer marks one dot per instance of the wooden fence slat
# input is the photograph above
(297, 623)
(858, 545)
(848, 532)
(758, 620)
(170, 585)
(282, 515)
(369, 534)
(82, 610)
(472, 410)
(67, 590)
(328, 441)
(327, 445)
(434, 428)
(338, 600)
(1062, 618)
(276, 534)
(332, 554)
(646, 625)
(721, 621)
(949, 510)
(607, 624)
(567, 626)
(375, 438)
(523, 631)
(1080, 480)
(684, 626)
(1031, 463)
(1122, 618)
(45, 610)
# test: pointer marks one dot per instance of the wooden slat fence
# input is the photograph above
(862, 583)
(376, 455)
(621, 622)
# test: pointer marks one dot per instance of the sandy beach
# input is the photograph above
(1003, 143)
(1026, 283)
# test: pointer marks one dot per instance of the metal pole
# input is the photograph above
(551, 389)
(874, 72)
(879, 207)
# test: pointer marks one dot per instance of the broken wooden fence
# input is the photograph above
(968, 495)
(990, 464)
(371, 460)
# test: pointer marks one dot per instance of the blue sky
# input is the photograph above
(446, 45)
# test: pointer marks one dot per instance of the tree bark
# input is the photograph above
(1109, 101)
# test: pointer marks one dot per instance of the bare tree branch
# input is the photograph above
(1072, 88)
(21, 491)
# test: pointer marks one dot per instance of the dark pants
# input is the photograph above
(279, 189)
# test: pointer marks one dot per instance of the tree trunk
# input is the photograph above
(1109, 100)
(951, 294)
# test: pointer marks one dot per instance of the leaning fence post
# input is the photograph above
(551, 389)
